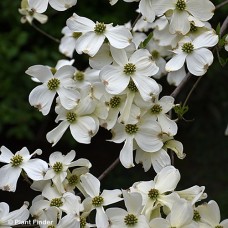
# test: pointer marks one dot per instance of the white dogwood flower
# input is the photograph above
(182, 10)
(59, 165)
(132, 217)
(97, 201)
(94, 34)
(33, 9)
(138, 67)
(60, 83)
(198, 58)
(21, 160)
(83, 125)
(62, 5)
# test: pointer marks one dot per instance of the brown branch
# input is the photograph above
(221, 4)
(44, 33)
(135, 22)
(109, 169)
(224, 27)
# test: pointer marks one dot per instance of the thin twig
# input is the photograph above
(136, 20)
(221, 4)
(44, 33)
(109, 169)
(224, 27)
(192, 89)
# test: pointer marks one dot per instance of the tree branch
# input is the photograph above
(109, 169)
(221, 4)
(44, 33)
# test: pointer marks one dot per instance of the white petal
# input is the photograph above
(114, 79)
(81, 162)
(120, 56)
(176, 62)
(164, 5)
(181, 213)
(168, 126)
(176, 77)
(67, 46)
(111, 196)
(147, 137)
(69, 157)
(41, 97)
(133, 202)
(203, 10)
(147, 10)
(35, 168)
(68, 98)
(179, 22)
(39, 6)
(42, 73)
(55, 135)
(101, 218)
(9, 177)
(84, 128)
(177, 147)
(80, 24)
(167, 179)
(91, 184)
(65, 72)
(167, 103)
(159, 223)
(126, 154)
(199, 61)
(160, 160)
(119, 37)
(210, 213)
(6, 155)
(89, 43)
(147, 86)
(206, 39)
(61, 5)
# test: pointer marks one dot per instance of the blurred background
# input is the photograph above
(205, 144)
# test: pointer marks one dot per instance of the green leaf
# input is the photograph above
(180, 110)
(146, 41)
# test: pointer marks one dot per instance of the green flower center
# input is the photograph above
(129, 69)
(97, 201)
(219, 226)
(71, 117)
(56, 202)
(153, 194)
(196, 216)
(130, 220)
(58, 167)
(73, 180)
(76, 35)
(82, 222)
(131, 128)
(99, 28)
(155, 54)
(156, 109)
(51, 226)
(188, 48)
(181, 5)
(114, 102)
(193, 28)
(79, 76)
(132, 87)
(16, 160)
(53, 84)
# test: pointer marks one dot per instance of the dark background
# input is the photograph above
(21, 46)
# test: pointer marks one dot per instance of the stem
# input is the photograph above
(136, 20)
(221, 4)
(192, 89)
(224, 26)
(181, 85)
(44, 33)
(109, 169)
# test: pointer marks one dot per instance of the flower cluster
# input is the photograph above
(118, 91)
